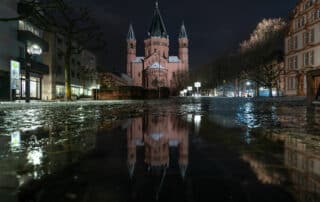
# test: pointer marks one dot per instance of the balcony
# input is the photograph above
(28, 37)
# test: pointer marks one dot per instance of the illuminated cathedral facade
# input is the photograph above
(157, 68)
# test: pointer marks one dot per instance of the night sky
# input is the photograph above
(213, 26)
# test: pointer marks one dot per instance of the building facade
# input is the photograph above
(157, 68)
(83, 70)
(31, 61)
(302, 50)
(22, 45)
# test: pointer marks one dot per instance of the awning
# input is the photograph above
(36, 67)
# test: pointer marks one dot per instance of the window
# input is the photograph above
(291, 83)
(292, 43)
(59, 40)
(60, 55)
(308, 58)
(308, 4)
(72, 74)
(309, 37)
(59, 69)
(59, 90)
(295, 40)
(293, 63)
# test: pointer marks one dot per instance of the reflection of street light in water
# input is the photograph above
(35, 153)
(197, 123)
(15, 141)
(248, 84)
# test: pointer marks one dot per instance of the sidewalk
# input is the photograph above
(281, 99)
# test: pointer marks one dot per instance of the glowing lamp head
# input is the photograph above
(34, 49)
(197, 84)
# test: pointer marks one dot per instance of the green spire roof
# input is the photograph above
(131, 35)
(157, 28)
(183, 32)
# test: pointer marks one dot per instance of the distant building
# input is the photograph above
(83, 70)
(302, 64)
(156, 68)
(110, 80)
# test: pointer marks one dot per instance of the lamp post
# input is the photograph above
(185, 91)
(31, 50)
(197, 85)
(189, 89)
(248, 84)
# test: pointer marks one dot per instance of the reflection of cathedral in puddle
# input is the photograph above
(302, 157)
(159, 137)
(157, 134)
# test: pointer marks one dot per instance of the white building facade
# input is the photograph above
(302, 50)
(83, 70)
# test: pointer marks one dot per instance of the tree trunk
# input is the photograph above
(67, 68)
(67, 77)
(270, 91)
(257, 90)
(27, 77)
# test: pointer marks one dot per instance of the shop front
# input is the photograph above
(76, 91)
(37, 71)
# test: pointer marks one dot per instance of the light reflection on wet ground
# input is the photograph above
(170, 150)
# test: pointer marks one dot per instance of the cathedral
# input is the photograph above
(157, 68)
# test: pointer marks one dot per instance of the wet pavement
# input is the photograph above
(205, 149)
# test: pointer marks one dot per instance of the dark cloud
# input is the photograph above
(213, 26)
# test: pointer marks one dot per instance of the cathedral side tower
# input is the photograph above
(131, 49)
(184, 47)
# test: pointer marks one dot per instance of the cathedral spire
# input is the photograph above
(183, 32)
(157, 27)
(131, 35)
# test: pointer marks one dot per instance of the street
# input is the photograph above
(180, 149)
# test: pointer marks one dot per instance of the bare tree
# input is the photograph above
(180, 80)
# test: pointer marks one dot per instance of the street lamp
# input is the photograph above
(185, 91)
(33, 49)
(197, 85)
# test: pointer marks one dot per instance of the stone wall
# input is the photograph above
(130, 92)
